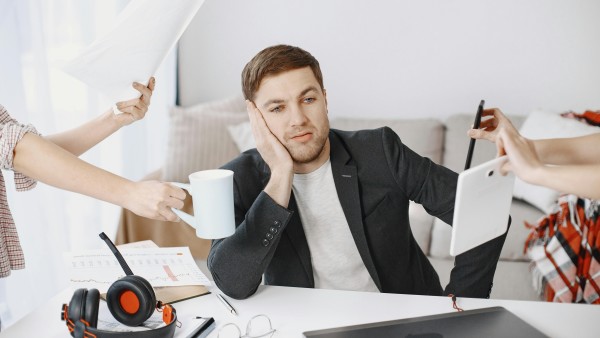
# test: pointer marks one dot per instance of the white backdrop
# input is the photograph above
(36, 38)
(408, 58)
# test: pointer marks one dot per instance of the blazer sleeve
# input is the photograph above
(423, 181)
(238, 262)
(434, 186)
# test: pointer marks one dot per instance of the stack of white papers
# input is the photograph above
(145, 32)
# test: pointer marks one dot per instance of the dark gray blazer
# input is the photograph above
(375, 176)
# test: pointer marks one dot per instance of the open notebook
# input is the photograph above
(167, 294)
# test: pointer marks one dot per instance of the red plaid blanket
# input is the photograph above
(589, 116)
(565, 251)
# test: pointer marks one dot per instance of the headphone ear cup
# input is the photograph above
(151, 294)
(76, 305)
(131, 300)
(90, 311)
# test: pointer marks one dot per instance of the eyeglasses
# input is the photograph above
(257, 327)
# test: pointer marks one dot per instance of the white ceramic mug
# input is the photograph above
(212, 195)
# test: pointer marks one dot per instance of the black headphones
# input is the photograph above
(131, 301)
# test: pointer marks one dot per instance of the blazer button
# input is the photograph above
(269, 235)
(277, 224)
(273, 230)
(265, 242)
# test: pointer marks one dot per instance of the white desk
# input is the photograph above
(294, 310)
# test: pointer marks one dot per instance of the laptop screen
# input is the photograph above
(489, 322)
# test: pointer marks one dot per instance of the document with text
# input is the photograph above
(98, 269)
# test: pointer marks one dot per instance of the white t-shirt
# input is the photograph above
(335, 258)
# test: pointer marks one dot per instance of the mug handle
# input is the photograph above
(189, 219)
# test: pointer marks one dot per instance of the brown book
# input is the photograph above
(174, 294)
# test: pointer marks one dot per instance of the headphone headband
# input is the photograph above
(82, 329)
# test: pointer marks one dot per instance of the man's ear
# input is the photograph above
(325, 96)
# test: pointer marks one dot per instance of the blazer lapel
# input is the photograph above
(297, 237)
(346, 183)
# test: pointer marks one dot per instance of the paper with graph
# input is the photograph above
(160, 266)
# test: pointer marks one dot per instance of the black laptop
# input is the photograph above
(488, 322)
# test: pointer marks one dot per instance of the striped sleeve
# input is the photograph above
(11, 133)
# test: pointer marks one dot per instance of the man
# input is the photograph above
(325, 208)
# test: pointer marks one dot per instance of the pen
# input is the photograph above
(226, 304)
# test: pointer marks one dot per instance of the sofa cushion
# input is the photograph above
(242, 136)
(198, 137)
(425, 136)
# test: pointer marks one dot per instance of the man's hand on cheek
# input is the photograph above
(270, 148)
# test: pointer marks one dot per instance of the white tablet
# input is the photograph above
(482, 206)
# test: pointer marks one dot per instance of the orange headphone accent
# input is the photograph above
(168, 312)
(129, 302)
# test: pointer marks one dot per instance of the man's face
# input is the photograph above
(295, 110)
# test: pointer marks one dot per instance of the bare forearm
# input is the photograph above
(47, 162)
(581, 180)
(569, 151)
(279, 188)
(79, 140)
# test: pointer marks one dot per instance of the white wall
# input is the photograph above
(408, 58)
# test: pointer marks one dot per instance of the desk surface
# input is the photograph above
(295, 310)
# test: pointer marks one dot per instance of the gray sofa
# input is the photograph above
(203, 134)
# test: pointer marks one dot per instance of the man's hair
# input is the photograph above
(274, 60)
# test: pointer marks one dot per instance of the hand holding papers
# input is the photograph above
(145, 32)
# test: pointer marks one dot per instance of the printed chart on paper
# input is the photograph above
(160, 266)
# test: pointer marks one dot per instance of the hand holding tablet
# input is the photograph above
(483, 199)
